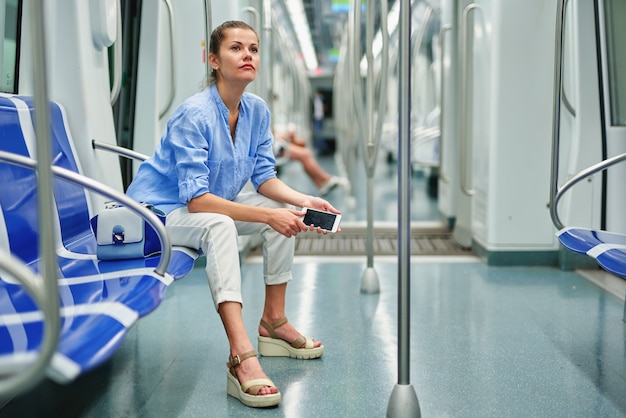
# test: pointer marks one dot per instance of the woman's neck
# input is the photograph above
(231, 96)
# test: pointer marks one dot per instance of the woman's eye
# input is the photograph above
(255, 50)
(235, 48)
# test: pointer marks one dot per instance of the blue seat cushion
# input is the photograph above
(608, 248)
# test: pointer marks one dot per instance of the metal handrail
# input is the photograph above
(602, 165)
(208, 28)
(556, 192)
(268, 32)
(124, 152)
(417, 41)
(48, 267)
(170, 100)
(425, 136)
(33, 283)
(373, 125)
(342, 102)
(376, 129)
(566, 102)
(417, 38)
(442, 39)
(257, 16)
(355, 67)
(371, 128)
(556, 110)
(117, 56)
(257, 27)
(107, 191)
(342, 105)
(465, 154)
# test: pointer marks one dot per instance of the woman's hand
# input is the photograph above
(288, 222)
(320, 204)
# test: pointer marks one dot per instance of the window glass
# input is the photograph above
(616, 56)
(10, 12)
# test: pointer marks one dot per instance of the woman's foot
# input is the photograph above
(285, 332)
(280, 339)
(247, 382)
(250, 369)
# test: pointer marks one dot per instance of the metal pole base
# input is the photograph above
(403, 402)
(369, 281)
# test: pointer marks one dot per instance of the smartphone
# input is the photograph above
(325, 220)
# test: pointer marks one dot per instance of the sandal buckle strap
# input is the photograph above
(297, 343)
(270, 327)
(234, 361)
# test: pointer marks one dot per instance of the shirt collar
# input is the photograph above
(218, 100)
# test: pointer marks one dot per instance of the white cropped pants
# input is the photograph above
(216, 235)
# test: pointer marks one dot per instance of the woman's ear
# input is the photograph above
(213, 61)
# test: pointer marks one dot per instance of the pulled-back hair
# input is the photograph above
(217, 37)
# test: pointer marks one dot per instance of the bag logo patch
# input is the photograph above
(117, 235)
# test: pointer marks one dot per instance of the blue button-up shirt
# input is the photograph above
(197, 154)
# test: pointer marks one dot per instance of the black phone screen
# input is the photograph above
(322, 219)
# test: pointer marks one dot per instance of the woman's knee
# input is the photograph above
(194, 229)
(218, 225)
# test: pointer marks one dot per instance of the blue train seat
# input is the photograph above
(608, 248)
(100, 300)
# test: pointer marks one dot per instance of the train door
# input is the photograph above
(475, 59)
(168, 65)
(461, 28)
(611, 17)
(580, 123)
(593, 119)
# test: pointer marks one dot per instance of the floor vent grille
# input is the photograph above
(353, 242)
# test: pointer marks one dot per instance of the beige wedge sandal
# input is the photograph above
(240, 390)
(274, 346)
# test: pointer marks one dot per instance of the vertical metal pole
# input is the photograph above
(43, 128)
(403, 400)
(369, 280)
(556, 111)
(208, 28)
(48, 263)
(269, 48)
(373, 124)
(369, 101)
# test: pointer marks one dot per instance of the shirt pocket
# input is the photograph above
(247, 168)
(214, 172)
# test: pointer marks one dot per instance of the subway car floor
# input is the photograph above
(485, 341)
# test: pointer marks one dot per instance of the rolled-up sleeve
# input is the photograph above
(190, 149)
(265, 167)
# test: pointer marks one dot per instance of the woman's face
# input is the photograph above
(238, 58)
